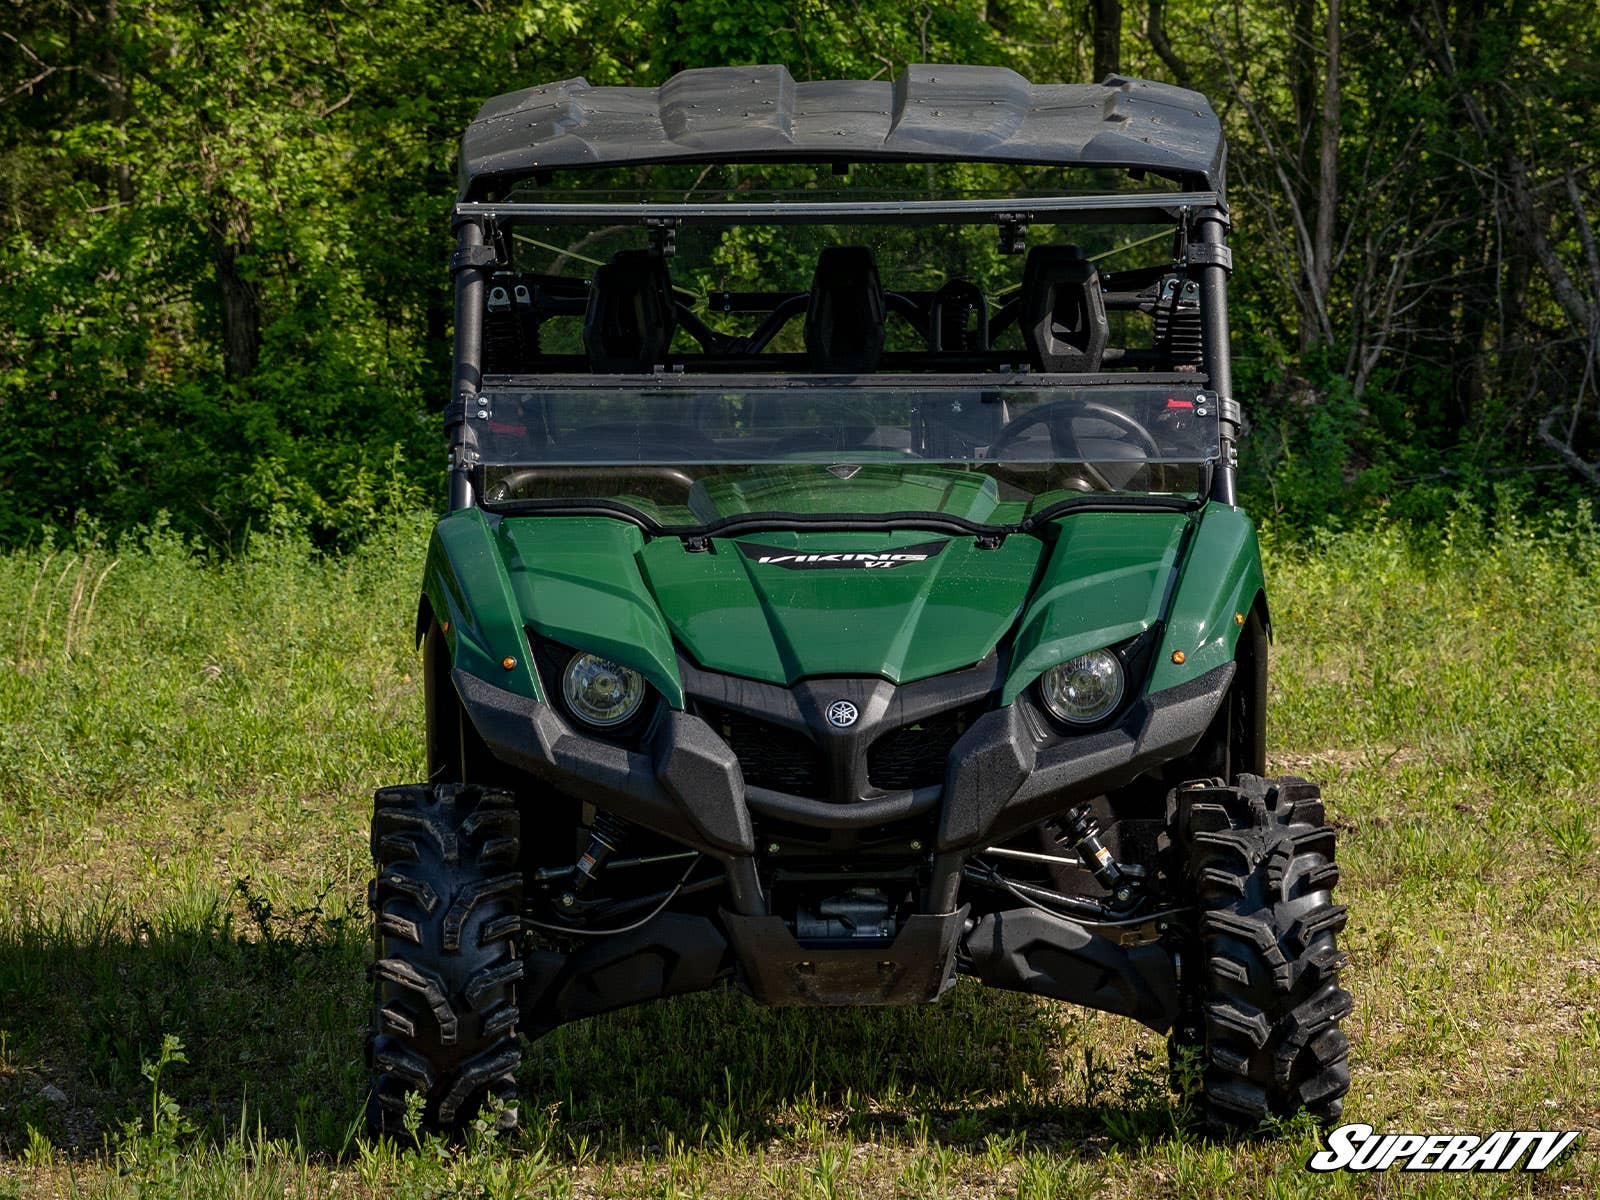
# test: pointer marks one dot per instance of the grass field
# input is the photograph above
(186, 753)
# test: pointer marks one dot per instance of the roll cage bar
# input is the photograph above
(1132, 207)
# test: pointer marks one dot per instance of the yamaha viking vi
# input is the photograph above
(843, 588)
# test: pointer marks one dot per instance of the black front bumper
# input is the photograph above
(1003, 775)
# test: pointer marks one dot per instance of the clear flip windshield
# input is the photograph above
(968, 362)
(685, 455)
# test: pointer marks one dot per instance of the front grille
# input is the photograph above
(913, 756)
(771, 756)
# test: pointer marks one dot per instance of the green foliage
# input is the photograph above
(223, 230)
(286, 157)
(154, 1152)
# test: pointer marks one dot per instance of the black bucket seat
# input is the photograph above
(1063, 310)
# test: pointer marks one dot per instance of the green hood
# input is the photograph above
(781, 606)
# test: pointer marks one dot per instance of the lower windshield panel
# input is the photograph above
(688, 455)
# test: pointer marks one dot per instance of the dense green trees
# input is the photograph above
(222, 228)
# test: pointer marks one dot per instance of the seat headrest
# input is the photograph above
(1063, 311)
(631, 317)
(845, 315)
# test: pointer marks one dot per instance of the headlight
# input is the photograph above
(1083, 690)
(601, 692)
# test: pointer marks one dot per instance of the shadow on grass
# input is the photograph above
(271, 1012)
(269, 1008)
(718, 1069)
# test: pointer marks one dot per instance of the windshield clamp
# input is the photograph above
(466, 407)
(989, 541)
(1013, 233)
(663, 235)
(1209, 254)
(472, 258)
(697, 543)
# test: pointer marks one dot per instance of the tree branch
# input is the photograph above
(1156, 31)
(1589, 470)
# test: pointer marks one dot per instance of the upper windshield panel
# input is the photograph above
(967, 289)
(954, 357)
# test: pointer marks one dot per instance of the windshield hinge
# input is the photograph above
(989, 541)
(697, 543)
(497, 237)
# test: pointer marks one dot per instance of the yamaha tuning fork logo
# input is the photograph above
(842, 714)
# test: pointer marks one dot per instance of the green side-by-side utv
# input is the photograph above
(843, 588)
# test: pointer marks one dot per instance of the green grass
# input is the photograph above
(186, 752)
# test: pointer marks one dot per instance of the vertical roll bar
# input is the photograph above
(469, 265)
(1210, 260)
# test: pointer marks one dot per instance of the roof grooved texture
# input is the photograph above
(750, 114)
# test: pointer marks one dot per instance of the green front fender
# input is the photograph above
(574, 580)
(1103, 583)
(466, 584)
(1220, 582)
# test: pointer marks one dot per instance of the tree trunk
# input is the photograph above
(239, 306)
(1315, 327)
(118, 108)
(1303, 86)
(1105, 17)
(1328, 164)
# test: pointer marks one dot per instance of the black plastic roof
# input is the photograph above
(752, 114)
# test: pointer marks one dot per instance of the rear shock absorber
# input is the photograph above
(1117, 879)
(606, 833)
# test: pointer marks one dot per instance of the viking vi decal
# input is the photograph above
(841, 560)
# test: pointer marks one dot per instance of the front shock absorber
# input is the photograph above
(606, 834)
(1081, 827)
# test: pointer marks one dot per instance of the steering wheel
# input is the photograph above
(1060, 421)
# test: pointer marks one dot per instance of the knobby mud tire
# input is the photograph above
(447, 917)
(1262, 1001)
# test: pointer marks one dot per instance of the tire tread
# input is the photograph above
(447, 918)
(1265, 1011)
